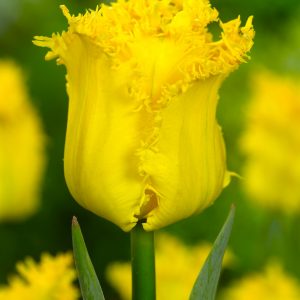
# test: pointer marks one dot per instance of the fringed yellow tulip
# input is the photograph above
(271, 284)
(271, 143)
(22, 150)
(51, 279)
(143, 78)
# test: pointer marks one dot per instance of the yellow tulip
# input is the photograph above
(50, 279)
(22, 151)
(142, 138)
(271, 143)
(273, 283)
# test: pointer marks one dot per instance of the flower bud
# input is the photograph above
(142, 138)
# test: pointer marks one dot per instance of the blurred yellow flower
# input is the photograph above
(143, 77)
(177, 267)
(271, 143)
(51, 279)
(272, 284)
(22, 151)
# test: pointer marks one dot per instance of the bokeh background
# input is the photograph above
(258, 235)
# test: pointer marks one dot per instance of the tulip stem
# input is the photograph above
(142, 263)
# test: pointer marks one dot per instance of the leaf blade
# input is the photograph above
(89, 283)
(205, 287)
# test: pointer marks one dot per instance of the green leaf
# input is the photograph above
(205, 287)
(89, 283)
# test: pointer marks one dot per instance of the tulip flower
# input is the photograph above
(22, 151)
(142, 138)
(273, 283)
(50, 279)
(271, 143)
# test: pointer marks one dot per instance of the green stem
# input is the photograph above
(142, 263)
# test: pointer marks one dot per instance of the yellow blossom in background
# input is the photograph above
(142, 78)
(51, 279)
(177, 267)
(22, 150)
(271, 143)
(271, 284)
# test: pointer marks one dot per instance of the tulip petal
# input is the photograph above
(100, 161)
(188, 169)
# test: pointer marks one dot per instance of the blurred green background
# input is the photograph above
(257, 234)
